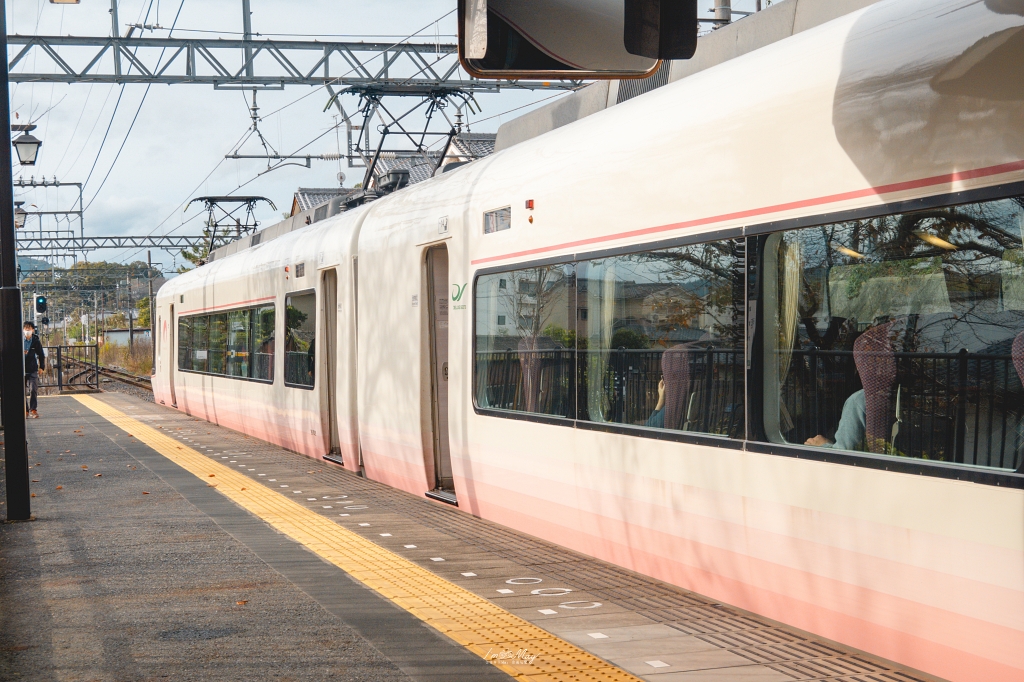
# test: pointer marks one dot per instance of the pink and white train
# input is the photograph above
(758, 333)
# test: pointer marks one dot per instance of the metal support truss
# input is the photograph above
(50, 241)
(383, 68)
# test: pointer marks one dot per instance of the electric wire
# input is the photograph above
(134, 118)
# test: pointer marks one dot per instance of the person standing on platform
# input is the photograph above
(35, 360)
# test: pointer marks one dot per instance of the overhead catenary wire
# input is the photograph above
(134, 118)
(276, 111)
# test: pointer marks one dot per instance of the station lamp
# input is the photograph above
(20, 215)
(27, 145)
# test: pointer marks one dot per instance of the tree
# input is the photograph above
(144, 316)
(196, 255)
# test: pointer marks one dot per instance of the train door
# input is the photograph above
(437, 294)
(172, 352)
(329, 357)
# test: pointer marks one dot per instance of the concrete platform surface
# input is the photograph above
(136, 569)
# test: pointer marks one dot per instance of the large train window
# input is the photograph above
(901, 335)
(662, 339)
(300, 340)
(525, 340)
(238, 343)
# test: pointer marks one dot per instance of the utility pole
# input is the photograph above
(12, 361)
(723, 10)
(95, 317)
(131, 328)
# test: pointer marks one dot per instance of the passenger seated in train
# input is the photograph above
(875, 360)
(852, 425)
(657, 418)
(943, 355)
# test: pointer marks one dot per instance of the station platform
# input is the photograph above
(164, 547)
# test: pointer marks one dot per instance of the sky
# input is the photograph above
(175, 149)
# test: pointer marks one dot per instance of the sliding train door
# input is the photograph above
(172, 351)
(329, 355)
(437, 294)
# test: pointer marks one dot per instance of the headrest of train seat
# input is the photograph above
(675, 367)
(876, 363)
(1017, 353)
(529, 363)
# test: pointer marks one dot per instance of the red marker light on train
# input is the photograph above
(529, 204)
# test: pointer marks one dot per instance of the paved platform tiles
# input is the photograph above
(487, 588)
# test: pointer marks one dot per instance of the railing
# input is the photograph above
(955, 407)
(71, 368)
(618, 386)
(628, 388)
(298, 368)
(549, 388)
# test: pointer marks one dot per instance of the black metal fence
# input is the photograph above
(618, 386)
(71, 368)
(954, 407)
(299, 367)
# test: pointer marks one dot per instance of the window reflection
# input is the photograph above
(663, 335)
(239, 343)
(526, 336)
(900, 335)
(238, 354)
(300, 340)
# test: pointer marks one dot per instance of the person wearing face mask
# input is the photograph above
(35, 360)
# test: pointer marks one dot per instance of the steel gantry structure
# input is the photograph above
(49, 241)
(371, 71)
(379, 68)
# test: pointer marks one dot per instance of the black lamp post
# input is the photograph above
(12, 362)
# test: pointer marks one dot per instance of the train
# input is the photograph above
(758, 333)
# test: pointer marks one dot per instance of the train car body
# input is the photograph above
(904, 106)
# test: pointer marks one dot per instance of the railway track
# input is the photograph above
(127, 378)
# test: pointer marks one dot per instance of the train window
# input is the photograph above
(238, 343)
(200, 343)
(526, 339)
(184, 343)
(901, 335)
(300, 340)
(218, 343)
(263, 321)
(497, 220)
(662, 339)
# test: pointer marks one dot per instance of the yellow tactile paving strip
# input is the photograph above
(477, 624)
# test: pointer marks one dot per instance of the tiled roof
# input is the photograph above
(310, 197)
(420, 168)
(474, 145)
(465, 147)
